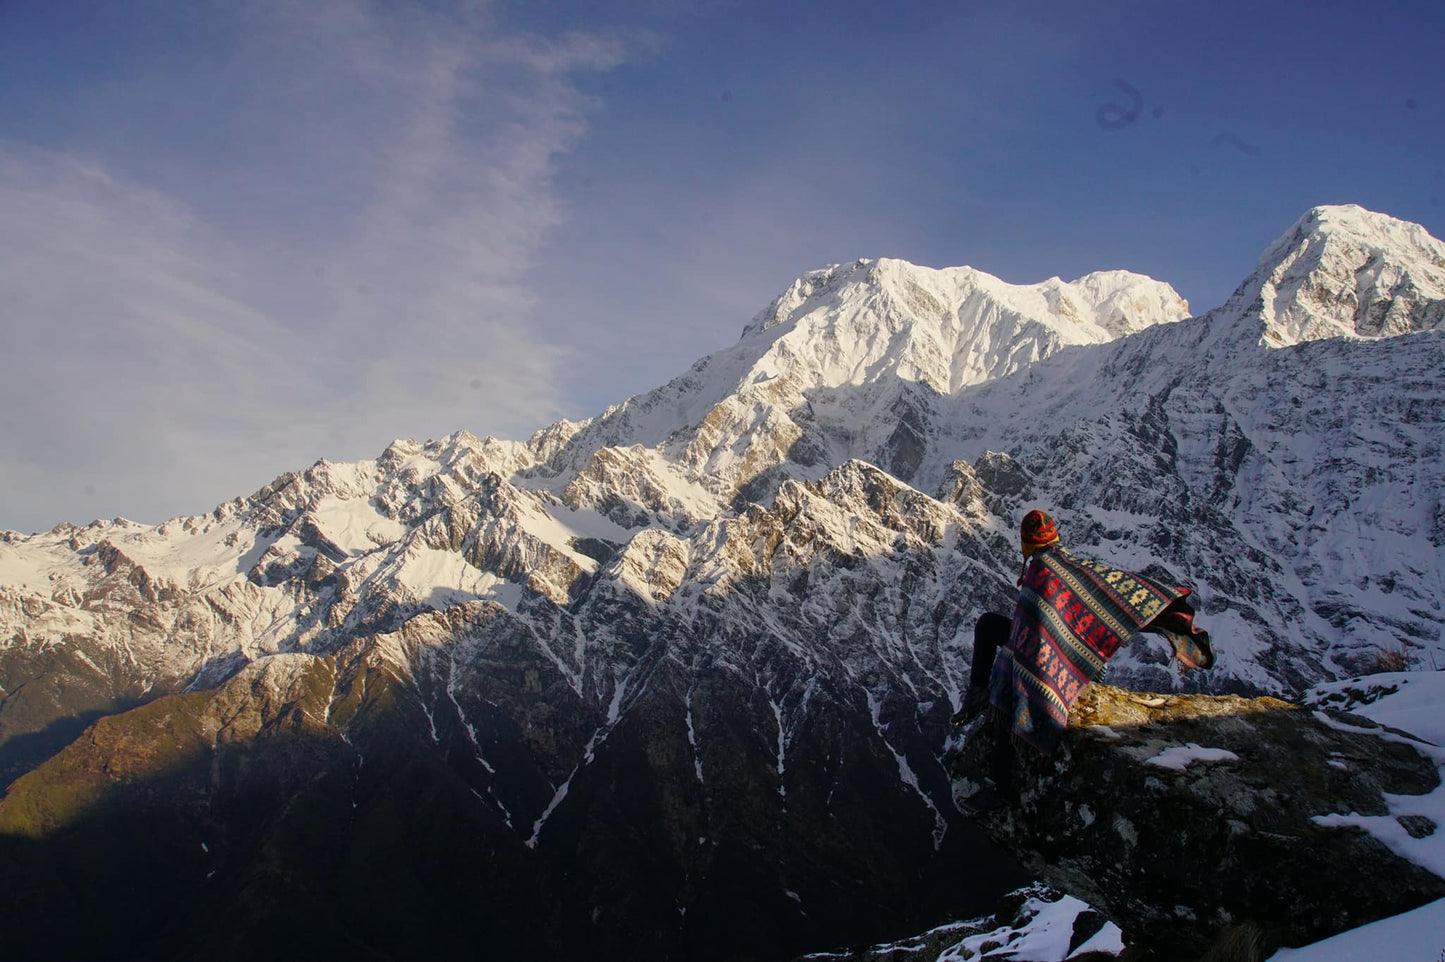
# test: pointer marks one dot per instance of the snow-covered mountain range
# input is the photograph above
(752, 590)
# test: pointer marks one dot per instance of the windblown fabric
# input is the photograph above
(1073, 615)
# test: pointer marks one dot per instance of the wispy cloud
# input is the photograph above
(338, 258)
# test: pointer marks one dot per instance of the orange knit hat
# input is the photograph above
(1037, 530)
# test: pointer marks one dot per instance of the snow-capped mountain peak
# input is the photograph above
(829, 372)
(1343, 271)
(947, 328)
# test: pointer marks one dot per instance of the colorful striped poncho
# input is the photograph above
(1073, 615)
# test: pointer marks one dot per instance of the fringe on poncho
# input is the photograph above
(1073, 615)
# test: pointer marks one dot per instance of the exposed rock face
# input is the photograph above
(449, 772)
(1178, 816)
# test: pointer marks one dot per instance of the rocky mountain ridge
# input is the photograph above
(738, 609)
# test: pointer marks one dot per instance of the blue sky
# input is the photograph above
(236, 237)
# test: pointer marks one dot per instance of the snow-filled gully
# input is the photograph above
(472, 736)
(614, 713)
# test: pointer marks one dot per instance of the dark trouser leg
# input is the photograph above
(990, 634)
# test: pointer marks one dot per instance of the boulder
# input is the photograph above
(1183, 816)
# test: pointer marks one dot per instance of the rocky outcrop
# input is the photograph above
(1181, 816)
(633, 487)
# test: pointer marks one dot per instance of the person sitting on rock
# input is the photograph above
(1073, 615)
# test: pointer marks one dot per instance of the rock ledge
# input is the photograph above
(1178, 816)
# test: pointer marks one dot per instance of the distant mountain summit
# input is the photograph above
(955, 326)
(1346, 272)
(840, 366)
(695, 657)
